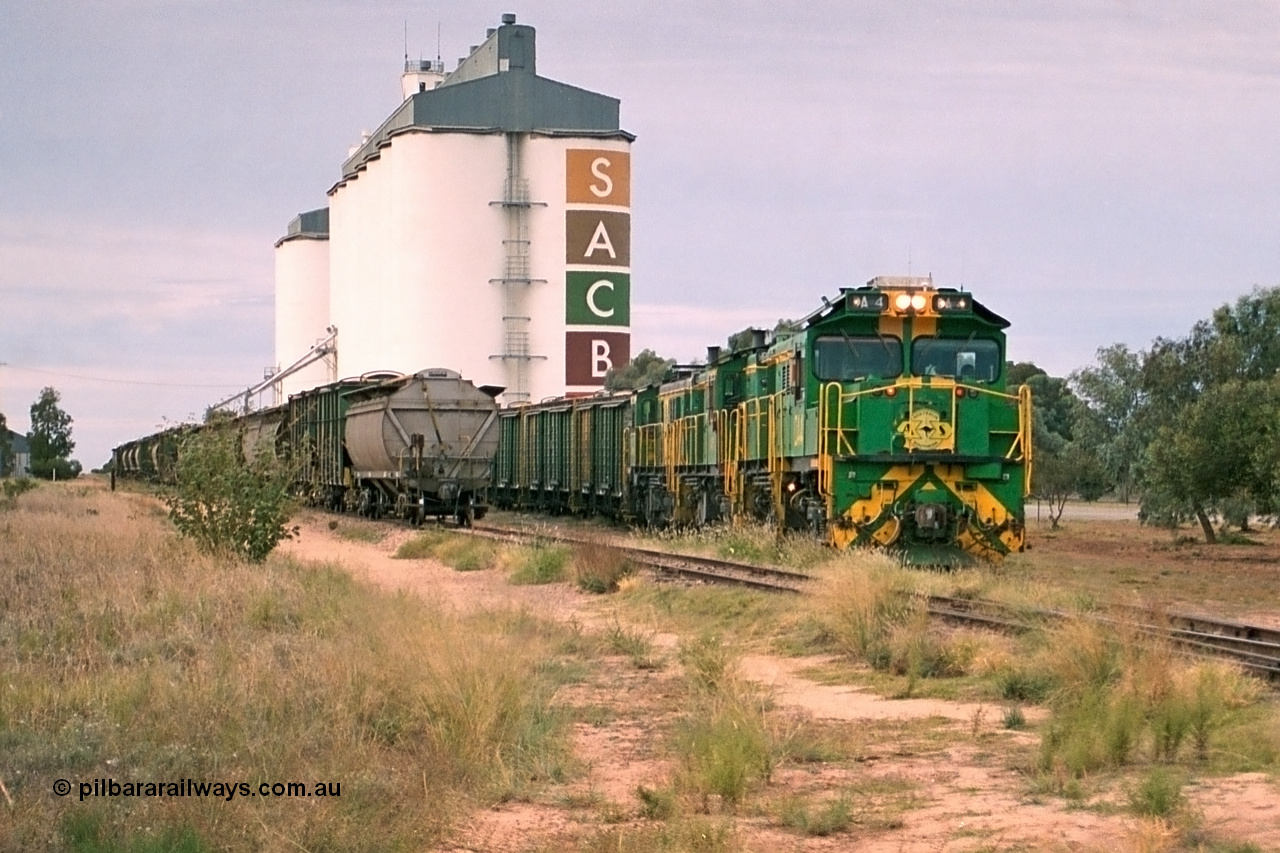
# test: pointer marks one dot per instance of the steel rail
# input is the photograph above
(1255, 648)
(769, 578)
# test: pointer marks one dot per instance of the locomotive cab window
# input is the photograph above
(976, 360)
(837, 358)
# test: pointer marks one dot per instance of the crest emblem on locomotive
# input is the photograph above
(925, 430)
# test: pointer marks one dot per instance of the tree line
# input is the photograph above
(49, 442)
(1190, 426)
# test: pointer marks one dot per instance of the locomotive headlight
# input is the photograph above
(918, 302)
(950, 303)
(902, 302)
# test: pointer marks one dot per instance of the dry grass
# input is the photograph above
(460, 551)
(755, 542)
(874, 611)
(1120, 697)
(126, 654)
(599, 567)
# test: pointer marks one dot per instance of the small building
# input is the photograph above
(18, 461)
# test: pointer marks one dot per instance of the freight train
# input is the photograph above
(413, 446)
(882, 419)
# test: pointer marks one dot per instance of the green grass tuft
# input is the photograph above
(832, 817)
(540, 563)
(1159, 794)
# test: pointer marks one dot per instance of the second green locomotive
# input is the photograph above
(881, 419)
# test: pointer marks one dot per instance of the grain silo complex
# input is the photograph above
(485, 227)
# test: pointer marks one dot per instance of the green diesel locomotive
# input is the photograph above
(881, 419)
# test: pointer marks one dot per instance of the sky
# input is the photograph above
(1096, 172)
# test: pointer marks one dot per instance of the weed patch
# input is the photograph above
(823, 819)
(635, 644)
(724, 741)
(12, 489)
(539, 563)
(1117, 698)
(1159, 794)
(598, 567)
(358, 532)
(460, 551)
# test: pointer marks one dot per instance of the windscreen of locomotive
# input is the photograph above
(969, 360)
(837, 358)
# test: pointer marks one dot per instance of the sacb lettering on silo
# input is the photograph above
(597, 298)
(591, 355)
(598, 264)
(597, 238)
(597, 176)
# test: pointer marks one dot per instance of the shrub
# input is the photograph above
(635, 644)
(1114, 696)
(1014, 719)
(467, 553)
(725, 749)
(1159, 794)
(708, 664)
(540, 563)
(724, 741)
(423, 546)
(656, 803)
(226, 504)
(11, 490)
(873, 615)
(1023, 685)
(598, 567)
(833, 816)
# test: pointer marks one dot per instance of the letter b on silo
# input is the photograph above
(601, 364)
(588, 356)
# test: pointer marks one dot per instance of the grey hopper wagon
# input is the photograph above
(260, 433)
(422, 445)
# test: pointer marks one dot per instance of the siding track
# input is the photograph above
(1255, 648)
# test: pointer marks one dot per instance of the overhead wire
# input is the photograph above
(115, 381)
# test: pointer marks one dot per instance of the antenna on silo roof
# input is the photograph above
(439, 58)
(406, 42)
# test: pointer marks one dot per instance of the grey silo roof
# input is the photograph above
(497, 90)
(311, 225)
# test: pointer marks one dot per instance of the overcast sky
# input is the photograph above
(1094, 171)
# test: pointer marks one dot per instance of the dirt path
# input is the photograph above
(931, 775)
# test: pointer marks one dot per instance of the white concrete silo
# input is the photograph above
(302, 299)
(450, 228)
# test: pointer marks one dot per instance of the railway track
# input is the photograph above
(767, 578)
(1255, 648)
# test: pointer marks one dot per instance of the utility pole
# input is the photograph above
(2, 462)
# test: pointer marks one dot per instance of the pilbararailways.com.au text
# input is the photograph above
(190, 788)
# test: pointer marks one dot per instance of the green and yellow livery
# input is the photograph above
(881, 419)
